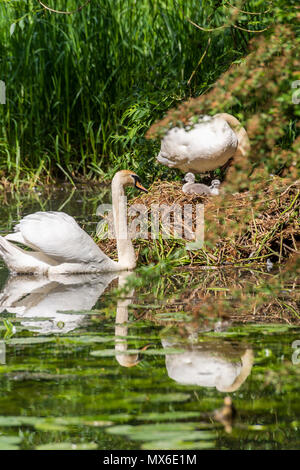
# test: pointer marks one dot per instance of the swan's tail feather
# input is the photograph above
(7, 252)
(21, 261)
(4, 251)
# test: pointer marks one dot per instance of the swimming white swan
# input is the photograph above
(61, 246)
(190, 187)
(204, 145)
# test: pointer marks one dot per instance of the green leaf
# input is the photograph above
(12, 28)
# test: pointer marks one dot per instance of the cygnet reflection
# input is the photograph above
(209, 364)
(47, 299)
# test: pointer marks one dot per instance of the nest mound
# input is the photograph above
(250, 226)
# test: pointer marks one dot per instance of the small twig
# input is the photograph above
(280, 251)
(289, 248)
(248, 12)
(294, 242)
(200, 61)
(293, 184)
(63, 12)
(291, 308)
(291, 205)
(250, 30)
(208, 30)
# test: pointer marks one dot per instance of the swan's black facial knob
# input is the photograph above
(138, 184)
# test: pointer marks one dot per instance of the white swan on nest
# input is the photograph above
(61, 246)
(204, 145)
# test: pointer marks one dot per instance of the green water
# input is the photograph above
(83, 368)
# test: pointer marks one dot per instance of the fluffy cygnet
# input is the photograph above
(190, 187)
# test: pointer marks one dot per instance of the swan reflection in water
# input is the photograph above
(216, 363)
(47, 299)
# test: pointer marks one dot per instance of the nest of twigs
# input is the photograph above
(251, 226)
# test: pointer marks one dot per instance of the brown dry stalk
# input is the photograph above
(249, 12)
(209, 30)
(64, 12)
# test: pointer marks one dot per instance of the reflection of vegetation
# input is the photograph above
(206, 295)
(10, 329)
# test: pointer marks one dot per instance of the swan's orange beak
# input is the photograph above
(140, 187)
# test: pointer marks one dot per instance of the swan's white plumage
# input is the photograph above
(57, 235)
(200, 147)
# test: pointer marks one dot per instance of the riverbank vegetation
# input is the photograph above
(82, 89)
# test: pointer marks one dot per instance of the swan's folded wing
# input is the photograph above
(57, 235)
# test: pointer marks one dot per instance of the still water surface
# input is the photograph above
(83, 368)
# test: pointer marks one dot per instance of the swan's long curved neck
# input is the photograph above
(126, 255)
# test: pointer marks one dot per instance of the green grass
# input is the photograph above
(82, 89)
